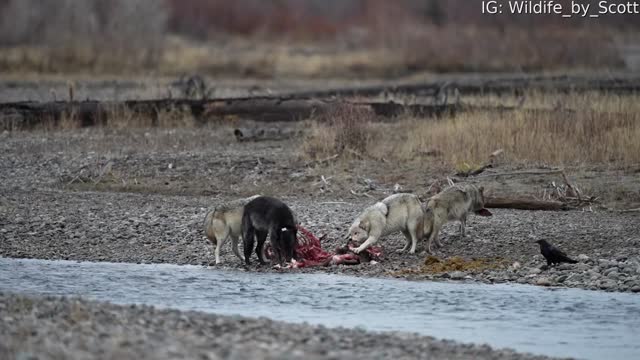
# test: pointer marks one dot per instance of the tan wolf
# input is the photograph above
(453, 203)
(225, 221)
(399, 212)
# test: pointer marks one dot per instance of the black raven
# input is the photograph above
(553, 254)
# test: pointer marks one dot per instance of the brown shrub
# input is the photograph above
(343, 130)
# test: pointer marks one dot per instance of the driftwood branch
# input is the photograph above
(572, 191)
(524, 204)
(474, 172)
(629, 211)
(477, 171)
(27, 115)
(490, 85)
(550, 172)
(263, 134)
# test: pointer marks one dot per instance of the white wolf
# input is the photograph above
(453, 203)
(225, 221)
(399, 212)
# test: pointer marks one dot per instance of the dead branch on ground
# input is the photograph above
(524, 204)
(550, 172)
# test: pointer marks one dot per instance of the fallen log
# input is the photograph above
(622, 84)
(524, 204)
(28, 115)
(264, 134)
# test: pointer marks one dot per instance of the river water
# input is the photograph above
(556, 322)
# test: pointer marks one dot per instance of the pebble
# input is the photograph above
(583, 258)
(564, 267)
(610, 271)
(607, 284)
(457, 275)
(534, 271)
(581, 267)
(543, 281)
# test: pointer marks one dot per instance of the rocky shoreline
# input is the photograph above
(69, 328)
(147, 228)
(127, 196)
(590, 274)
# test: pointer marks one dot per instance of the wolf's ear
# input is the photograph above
(481, 189)
(365, 225)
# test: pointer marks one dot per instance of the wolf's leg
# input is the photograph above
(463, 224)
(234, 247)
(415, 227)
(436, 231)
(374, 235)
(288, 239)
(217, 252)
(276, 246)
(437, 240)
(434, 237)
(262, 237)
(248, 234)
(221, 240)
(407, 236)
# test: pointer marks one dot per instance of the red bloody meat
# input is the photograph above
(310, 253)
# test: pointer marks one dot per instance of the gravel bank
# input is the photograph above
(145, 228)
(59, 328)
(157, 184)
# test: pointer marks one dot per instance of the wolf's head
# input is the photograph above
(288, 241)
(477, 200)
(359, 232)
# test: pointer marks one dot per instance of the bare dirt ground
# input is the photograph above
(141, 196)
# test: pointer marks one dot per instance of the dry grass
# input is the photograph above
(123, 118)
(120, 117)
(598, 130)
(345, 130)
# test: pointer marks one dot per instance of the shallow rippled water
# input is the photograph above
(557, 322)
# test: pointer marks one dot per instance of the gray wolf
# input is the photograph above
(269, 216)
(552, 254)
(453, 203)
(396, 213)
(224, 222)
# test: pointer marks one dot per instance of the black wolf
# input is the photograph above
(269, 216)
